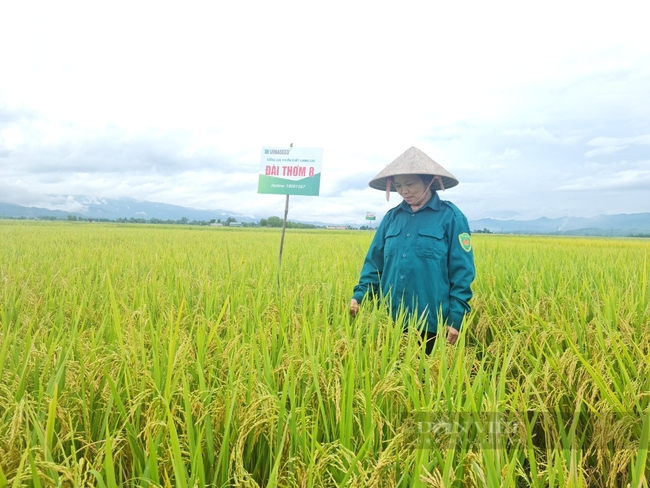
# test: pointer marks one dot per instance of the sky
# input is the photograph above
(540, 109)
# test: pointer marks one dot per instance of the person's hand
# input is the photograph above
(354, 307)
(452, 335)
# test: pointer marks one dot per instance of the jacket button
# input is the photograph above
(403, 255)
(408, 235)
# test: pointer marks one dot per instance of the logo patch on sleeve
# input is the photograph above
(465, 241)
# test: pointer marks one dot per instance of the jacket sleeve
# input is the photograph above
(461, 270)
(373, 265)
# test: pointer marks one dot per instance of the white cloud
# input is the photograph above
(604, 150)
(510, 153)
(620, 176)
(611, 145)
(69, 205)
(540, 135)
(175, 109)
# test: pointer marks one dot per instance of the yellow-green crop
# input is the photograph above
(169, 356)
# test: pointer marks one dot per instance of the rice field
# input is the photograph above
(135, 355)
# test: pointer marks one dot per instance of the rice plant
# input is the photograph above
(135, 355)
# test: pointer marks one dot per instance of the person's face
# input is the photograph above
(409, 187)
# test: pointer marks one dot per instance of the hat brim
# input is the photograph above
(447, 182)
(414, 162)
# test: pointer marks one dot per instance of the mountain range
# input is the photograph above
(601, 225)
(113, 209)
(122, 208)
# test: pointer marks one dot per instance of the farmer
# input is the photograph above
(422, 252)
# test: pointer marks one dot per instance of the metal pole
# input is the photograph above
(284, 226)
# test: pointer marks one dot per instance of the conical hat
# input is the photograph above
(414, 162)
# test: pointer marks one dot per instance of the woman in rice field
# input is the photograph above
(421, 253)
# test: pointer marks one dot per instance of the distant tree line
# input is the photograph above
(140, 220)
(277, 222)
(181, 221)
(270, 222)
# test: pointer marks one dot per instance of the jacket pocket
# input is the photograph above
(431, 243)
(391, 244)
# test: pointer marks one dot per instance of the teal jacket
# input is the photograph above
(424, 261)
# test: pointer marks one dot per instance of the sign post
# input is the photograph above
(290, 171)
(371, 216)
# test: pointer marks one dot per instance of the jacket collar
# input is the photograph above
(433, 203)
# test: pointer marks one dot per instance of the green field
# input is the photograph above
(135, 355)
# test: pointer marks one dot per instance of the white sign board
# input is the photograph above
(290, 171)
